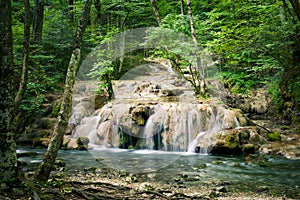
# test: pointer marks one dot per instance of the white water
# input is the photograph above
(174, 121)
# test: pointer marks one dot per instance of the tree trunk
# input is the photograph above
(71, 10)
(156, 13)
(26, 43)
(291, 16)
(8, 162)
(200, 75)
(98, 10)
(122, 43)
(38, 22)
(43, 171)
(296, 7)
(182, 7)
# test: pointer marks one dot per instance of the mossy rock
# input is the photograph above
(275, 136)
(83, 141)
(244, 136)
(262, 163)
(285, 127)
(60, 162)
(249, 149)
(82, 148)
(41, 142)
(231, 142)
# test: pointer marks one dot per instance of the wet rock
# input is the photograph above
(41, 142)
(237, 141)
(60, 162)
(140, 114)
(72, 144)
(166, 92)
(83, 141)
(258, 102)
(249, 149)
(146, 186)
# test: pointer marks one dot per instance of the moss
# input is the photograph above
(231, 142)
(249, 149)
(285, 127)
(219, 135)
(60, 162)
(275, 136)
(261, 163)
(82, 148)
(83, 141)
(56, 109)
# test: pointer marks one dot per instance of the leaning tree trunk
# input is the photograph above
(26, 43)
(156, 13)
(43, 171)
(8, 162)
(199, 72)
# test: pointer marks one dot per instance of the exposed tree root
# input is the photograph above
(153, 192)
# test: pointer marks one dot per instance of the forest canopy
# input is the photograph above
(254, 42)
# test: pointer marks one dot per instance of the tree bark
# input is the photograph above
(122, 43)
(200, 75)
(182, 7)
(156, 13)
(38, 22)
(71, 10)
(97, 4)
(43, 171)
(8, 162)
(26, 43)
(296, 7)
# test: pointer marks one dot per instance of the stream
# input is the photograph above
(277, 175)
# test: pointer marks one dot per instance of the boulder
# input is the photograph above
(237, 141)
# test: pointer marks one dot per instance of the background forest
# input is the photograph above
(255, 42)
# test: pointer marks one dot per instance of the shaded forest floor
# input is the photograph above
(97, 183)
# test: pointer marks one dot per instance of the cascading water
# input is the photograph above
(156, 111)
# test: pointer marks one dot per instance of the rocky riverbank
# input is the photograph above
(94, 183)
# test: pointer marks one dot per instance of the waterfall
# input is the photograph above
(156, 111)
(170, 127)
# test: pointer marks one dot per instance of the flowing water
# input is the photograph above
(280, 175)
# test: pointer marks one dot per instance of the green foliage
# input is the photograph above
(275, 136)
(32, 104)
(273, 89)
(238, 82)
(179, 23)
